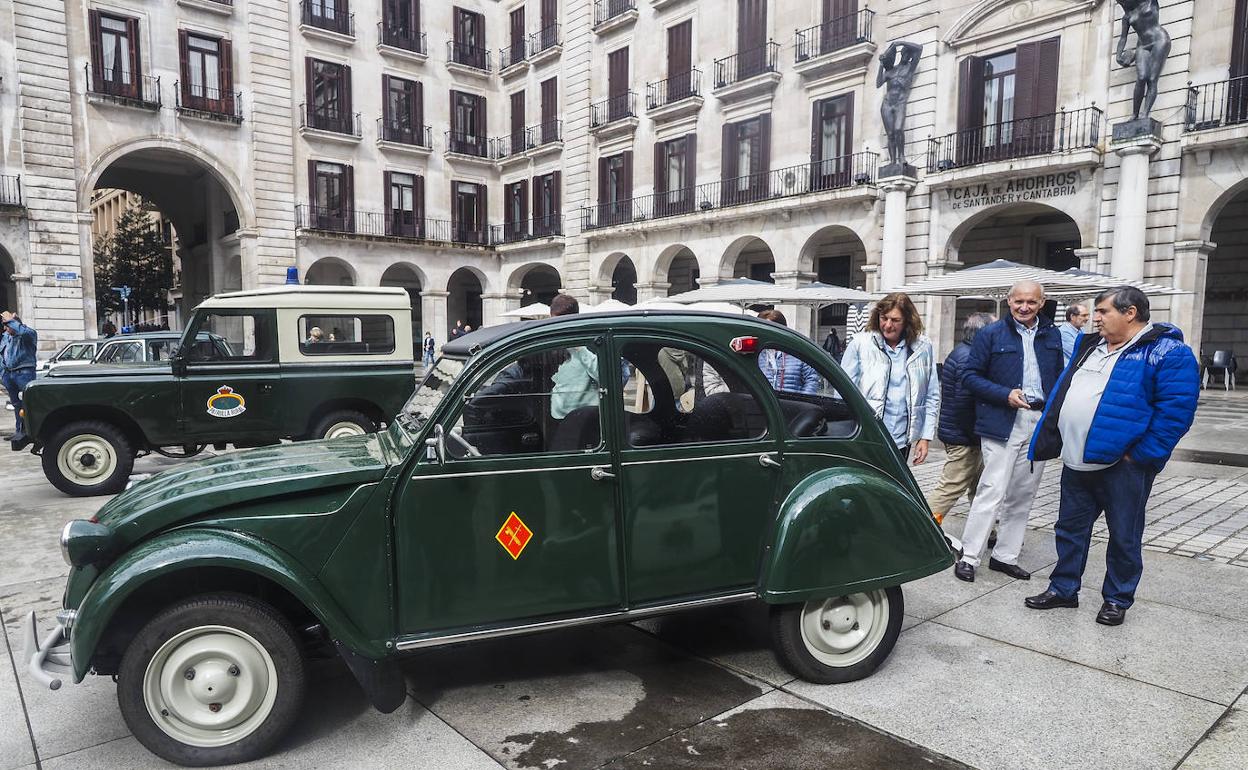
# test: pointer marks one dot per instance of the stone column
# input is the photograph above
(649, 291)
(801, 317)
(599, 294)
(1089, 259)
(433, 313)
(1131, 213)
(892, 271)
(493, 304)
(1191, 268)
(940, 313)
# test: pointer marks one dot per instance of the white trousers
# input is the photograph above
(1007, 488)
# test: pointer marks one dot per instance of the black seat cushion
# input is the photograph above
(804, 420)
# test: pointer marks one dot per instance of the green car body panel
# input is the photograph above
(389, 544)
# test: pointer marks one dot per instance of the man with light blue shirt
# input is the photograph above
(1076, 317)
(17, 355)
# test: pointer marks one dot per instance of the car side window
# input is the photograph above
(542, 402)
(249, 338)
(811, 405)
(123, 352)
(679, 396)
(330, 335)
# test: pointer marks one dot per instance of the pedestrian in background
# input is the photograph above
(832, 344)
(427, 346)
(1117, 414)
(458, 330)
(1014, 363)
(17, 356)
(963, 460)
(109, 329)
(892, 364)
(784, 371)
(1076, 317)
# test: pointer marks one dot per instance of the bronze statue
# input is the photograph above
(1152, 46)
(898, 65)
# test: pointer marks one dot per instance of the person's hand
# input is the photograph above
(1018, 400)
(920, 451)
(1126, 58)
(6, 316)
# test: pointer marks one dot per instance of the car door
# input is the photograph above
(231, 391)
(698, 470)
(523, 524)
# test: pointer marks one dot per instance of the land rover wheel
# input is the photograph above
(213, 680)
(841, 639)
(89, 457)
(343, 422)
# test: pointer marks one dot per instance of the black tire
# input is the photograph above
(806, 659)
(84, 445)
(339, 417)
(236, 613)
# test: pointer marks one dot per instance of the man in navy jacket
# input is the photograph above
(1013, 366)
(1127, 397)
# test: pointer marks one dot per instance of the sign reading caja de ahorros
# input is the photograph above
(1030, 188)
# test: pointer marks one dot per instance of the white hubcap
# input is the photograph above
(210, 686)
(87, 459)
(344, 428)
(844, 630)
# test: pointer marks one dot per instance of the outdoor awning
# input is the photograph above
(744, 291)
(534, 310)
(607, 306)
(994, 279)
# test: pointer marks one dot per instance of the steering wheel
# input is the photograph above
(456, 435)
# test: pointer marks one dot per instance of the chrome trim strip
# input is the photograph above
(468, 474)
(695, 459)
(550, 625)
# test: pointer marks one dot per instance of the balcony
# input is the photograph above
(334, 126)
(838, 45)
(1076, 134)
(829, 176)
(468, 59)
(610, 15)
(674, 98)
(403, 225)
(530, 229)
(467, 147)
(11, 192)
(1216, 114)
(513, 59)
(545, 138)
(545, 44)
(402, 43)
(748, 73)
(208, 104)
(117, 86)
(325, 20)
(512, 147)
(614, 116)
(400, 137)
(220, 7)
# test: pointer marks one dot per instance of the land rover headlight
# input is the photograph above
(85, 542)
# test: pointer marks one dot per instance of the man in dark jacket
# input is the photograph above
(1127, 397)
(1013, 365)
(963, 460)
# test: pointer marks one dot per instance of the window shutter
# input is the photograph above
(848, 112)
(309, 70)
(415, 31)
(418, 111)
(691, 161)
(478, 31)
(418, 206)
(602, 181)
(455, 127)
(457, 26)
(816, 133)
(1046, 84)
(517, 120)
(312, 191)
(97, 56)
(764, 141)
(348, 114)
(728, 152)
(660, 168)
(184, 70)
(136, 59)
(348, 198)
(483, 224)
(386, 114)
(539, 207)
(524, 203)
(628, 174)
(970, 93)
(550, 15)
(389, 195)
(557, 198)
(479, 118)
(454, 212)
(226, 76)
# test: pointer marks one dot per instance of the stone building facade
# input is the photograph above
(484, 154)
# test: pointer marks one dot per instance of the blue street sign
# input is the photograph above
(66, 275)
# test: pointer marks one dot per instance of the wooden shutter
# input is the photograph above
(816, 133)
(970, 93)
(348, 114)
(539, 204)
(550, 107)
(1035, 95)
(617, 73)
(97, 55)
(184, 70)
(524, 202)
(348, 197)
(478, 116)
(136, 60)
(517, 34)
(389, 195)
(457, 26)
(312, 190)
(226, 76)
(415, 33)
(691, 160)
(628, 175)
(660, 168)
(418, 111)
(728, 152)
(550, 13)
(517, 121)
(455, 213)
(387, 115)
(309, 73)
(602, 180)
(478, 32)
(764, 141)
(557, 196)
(483, 222)
(679, 51)
(455, 127)
(418, 205)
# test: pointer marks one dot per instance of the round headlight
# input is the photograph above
(65, 542)
(85, 542)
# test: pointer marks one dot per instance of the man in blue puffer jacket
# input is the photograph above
(1120, 407)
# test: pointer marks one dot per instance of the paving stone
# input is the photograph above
(1225, 747)
(16, 749)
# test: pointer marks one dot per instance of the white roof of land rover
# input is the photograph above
(314, 298)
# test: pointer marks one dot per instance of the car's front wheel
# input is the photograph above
(88, 457)
(840, 639)
(343, 422)
(212, 680)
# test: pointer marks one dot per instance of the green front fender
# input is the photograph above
(848, 530)
(164, 556)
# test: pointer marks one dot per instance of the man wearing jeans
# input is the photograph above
(17, 356)
(1117, 413)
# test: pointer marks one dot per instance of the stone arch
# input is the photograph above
(606, 268)
(395, 272)
(989, 17)
(535, 282)
(1039, 212)
(834, 241)
(747, 257)
(330, 271)
(677, 266)
(411, 278)
(623, 281)
(463, 303)
(1217, 206)
(1223, 287)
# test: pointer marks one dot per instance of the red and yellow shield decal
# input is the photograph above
(514, 535)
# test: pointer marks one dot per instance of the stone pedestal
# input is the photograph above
(1130, 217)
(1089, 259)
(1191, 269)
(893, 254)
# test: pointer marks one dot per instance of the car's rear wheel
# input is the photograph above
(840, 639)
(343, 422)
(88, 457)
(211, 681)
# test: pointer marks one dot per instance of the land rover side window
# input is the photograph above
(546, 401)
(678, 396)
(345, 335)
(122, 353)
(233, 338)
(811, 405)
(161, 350)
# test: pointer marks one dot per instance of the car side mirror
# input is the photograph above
(435, 446)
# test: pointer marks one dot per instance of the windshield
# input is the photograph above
(436, 385)
(121, 353)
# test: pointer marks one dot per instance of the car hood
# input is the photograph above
(243, 478)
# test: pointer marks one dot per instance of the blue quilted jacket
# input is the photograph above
(1148, 405)
(957, 404)
(995, 367)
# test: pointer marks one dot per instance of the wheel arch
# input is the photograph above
(96, 413)
(366, 407)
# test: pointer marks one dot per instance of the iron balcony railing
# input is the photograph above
(467, 144)
(394, 224)
(613, 108)
(606, 10)
(468, 55)
(515, 53)
(543, 39)
(675, 89)
(545, 133)
(401, 132)
(208, 102)
(11, 191)
(398, 37)
(515, 143)
(817, 176)
(1061, 131)
(334, 121)
(1212, 105)
(537, 227)
(833, 35)
(325, 14)
(747, 64)
(124, 87)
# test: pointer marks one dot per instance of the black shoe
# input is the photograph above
(1013, 570)
(964, 571)
(992, 538)
(1111, 614)
(1050, 601)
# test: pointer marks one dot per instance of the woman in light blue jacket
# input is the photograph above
(893, 366)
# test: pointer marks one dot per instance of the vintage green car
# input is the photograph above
(286, 362)
(548, 474)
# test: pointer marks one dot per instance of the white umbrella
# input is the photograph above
(1101, 281)
(607, 306)
(535, 310)
(743, 291)
(705, 307)
(994, 279)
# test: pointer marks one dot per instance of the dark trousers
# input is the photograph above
(1120, 492)
(13, 382)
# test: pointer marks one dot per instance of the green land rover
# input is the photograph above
(286, 362)
(548, 474)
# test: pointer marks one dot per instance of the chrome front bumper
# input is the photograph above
(47, 661)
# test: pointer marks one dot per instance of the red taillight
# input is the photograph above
(744, 345)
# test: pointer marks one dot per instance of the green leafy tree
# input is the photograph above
(136, 256)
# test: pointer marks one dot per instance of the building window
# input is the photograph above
(328, 14)
(547, 217)
(518, 36)
(615, 186)
(746, 160)
(999, 76)
(832, 141)
(515, 223)
(115, 55)
(404, 204)
(1007, 102)
(403, 110)
(468, 45)
(331, 195)
(675, 165)
(329, 96)
(748, 152)
(467, 124)
(207, 73)
(400, 22)
(468, 212)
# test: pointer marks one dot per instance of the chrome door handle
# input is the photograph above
(599, 473)
(767, 461)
